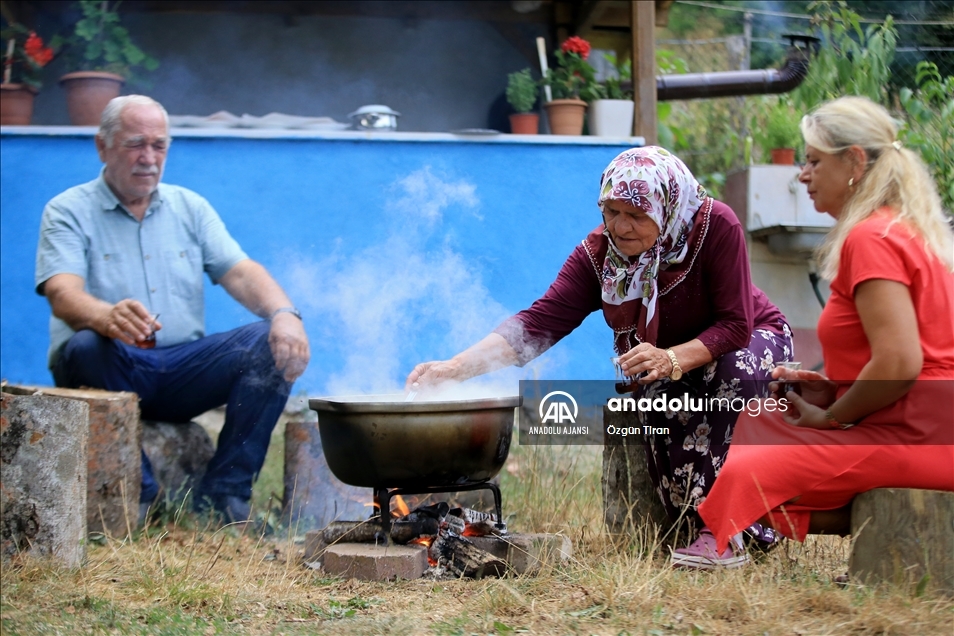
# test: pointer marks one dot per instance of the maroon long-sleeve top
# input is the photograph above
(716, 302)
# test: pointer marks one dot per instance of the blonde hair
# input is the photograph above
(894, 177)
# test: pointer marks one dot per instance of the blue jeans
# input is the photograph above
(175, 384)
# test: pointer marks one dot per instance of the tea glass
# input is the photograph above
(785, 387)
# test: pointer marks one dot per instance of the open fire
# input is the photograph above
(446, 533)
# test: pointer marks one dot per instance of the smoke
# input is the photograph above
(408, 298)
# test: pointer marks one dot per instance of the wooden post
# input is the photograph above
(43, 442)
(643, 24)
(630, 501)
(114, 469)
(903, 536)
(313, 496)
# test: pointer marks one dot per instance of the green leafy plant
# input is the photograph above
(781, 128)
(852, 60)
(619, 85)
(24, 56)
(521, 91)
(100, 43)
(928, 126)
(572, 77)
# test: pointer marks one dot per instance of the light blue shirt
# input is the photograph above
(159, 262)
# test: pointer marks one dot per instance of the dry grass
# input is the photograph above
(177, 579)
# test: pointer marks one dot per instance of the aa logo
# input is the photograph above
(558, 410)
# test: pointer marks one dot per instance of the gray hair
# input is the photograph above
(110, 122)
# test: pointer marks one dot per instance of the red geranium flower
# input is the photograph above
(576, 45)
(35, 49)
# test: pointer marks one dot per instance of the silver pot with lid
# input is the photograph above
(374, 117)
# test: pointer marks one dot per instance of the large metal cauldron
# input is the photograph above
(383, 441)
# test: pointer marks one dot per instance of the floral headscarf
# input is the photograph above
(658, 182)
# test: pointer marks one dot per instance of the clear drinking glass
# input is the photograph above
(624, 383)
(789, 386)
(149, 342)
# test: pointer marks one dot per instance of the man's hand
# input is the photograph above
(289, 345)
(128, 321)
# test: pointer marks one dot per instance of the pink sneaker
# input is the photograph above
(703, 555)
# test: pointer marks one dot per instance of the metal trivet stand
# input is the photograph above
(382, 499)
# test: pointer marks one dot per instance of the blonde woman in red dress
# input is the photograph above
(882, 415)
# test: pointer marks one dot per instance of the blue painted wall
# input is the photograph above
(395, 251)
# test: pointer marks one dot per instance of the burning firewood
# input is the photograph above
(442, 529)
(371, 532)
(477, 523)
(463, 558)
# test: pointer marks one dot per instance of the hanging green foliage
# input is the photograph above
(851, 61)
(928, 126)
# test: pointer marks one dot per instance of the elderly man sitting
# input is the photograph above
(123, 250)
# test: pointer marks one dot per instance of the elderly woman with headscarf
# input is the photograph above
(669, 269)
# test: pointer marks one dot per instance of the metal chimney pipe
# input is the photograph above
(734, 83)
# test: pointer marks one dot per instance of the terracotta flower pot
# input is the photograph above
(566, 116)
(16, 104)
(87, 93)
(783, 156)
(525, 123)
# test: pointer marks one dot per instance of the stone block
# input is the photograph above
(375, 563)
(527, 553)
(314, 546)
(903, 536)
(314, 497)
(179, 454)
(114, 471)
(43, 444)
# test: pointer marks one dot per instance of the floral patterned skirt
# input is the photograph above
(685, 462)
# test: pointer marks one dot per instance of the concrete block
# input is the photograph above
(375, 563)
(179, 454)
(114, 471)
(527, 553)
(903, 536)
(314, 497)
(43, 444)
(314, 546)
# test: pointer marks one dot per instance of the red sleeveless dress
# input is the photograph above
(909, 444)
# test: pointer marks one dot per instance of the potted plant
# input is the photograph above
(782, 134)
(573, 84)
(522, 96)
(23, 60)
(102, 57)
(611, 115)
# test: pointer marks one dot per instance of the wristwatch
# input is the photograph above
(286, 310)
(676, 369)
